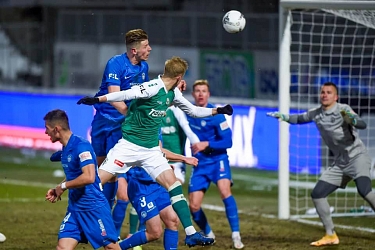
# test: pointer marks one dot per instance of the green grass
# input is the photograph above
(31, 223)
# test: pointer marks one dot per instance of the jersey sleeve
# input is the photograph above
(189, 108)
(84, 154)
(142, 91)
(223, 138)
(184, 124)
(305, 117)
(112, 73)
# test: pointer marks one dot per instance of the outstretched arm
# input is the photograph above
(184, 124)
(292, 119)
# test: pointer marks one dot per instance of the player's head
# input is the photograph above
(137, 45)
(201, 92)
(175, 68)
(56, 123)
(328, 95)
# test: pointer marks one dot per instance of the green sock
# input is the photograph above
(133, 221)
(180, 205)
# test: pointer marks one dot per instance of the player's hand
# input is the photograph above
(278, 115)
(226, 110)
(51, 196)
(182, 85)
(87, 100)
(349, 117)
(191, 161)
(198, 147)
(55, 157)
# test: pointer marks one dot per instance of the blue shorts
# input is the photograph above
(204, 174)
(104, 135)
(148, 204)
(94, 226)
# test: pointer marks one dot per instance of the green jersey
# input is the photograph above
(174, 138)
(150, 102)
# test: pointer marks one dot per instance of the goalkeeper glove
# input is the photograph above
(349, 117)
(226, 110)
(279, 116)
(87, 100)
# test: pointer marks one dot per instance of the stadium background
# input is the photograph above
(53, 52)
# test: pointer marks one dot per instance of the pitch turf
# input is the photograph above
(30, 223)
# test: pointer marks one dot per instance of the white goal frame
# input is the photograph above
(285, 81)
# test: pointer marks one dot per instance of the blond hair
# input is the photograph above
(176, 66)
(134, 37)
(201, 82)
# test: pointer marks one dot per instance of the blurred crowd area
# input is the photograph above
(65, 44)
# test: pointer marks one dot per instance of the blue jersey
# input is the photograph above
(119, 71)
(76, 154)
(216, 131)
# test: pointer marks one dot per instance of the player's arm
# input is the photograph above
(142, 91)
(177, 157)
(195, 111)
(222, 140)
(184, 124)
(351, 118)
(305, 117)
(120, 106)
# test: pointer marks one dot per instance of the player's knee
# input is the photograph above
(154, 233)
(322, 189)
(363, 185)
(194, 206)
(172, 222)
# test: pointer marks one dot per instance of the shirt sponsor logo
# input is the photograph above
(102, 228)
(119, 163)
(157, 113)
(85, 156)
(224, 125)
(112, 76)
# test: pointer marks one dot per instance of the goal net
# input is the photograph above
(336, 43)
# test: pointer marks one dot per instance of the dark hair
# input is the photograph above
(331, 84)
(135, 37)
(57, 116)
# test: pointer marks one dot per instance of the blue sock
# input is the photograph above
(232, 213)
(170, 239)
(118, 214)
(137, 239)
(200, 218)
(109, 191)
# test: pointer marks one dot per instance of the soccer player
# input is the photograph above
(337, 124)
(175, 128)
(88, 217)
(215, 138)
(140, 143)
(121, 73)
(152, 203)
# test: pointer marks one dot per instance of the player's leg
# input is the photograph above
(170, 219)
(180, 171)
(158, 168)
(224, 183)
(69, 235)
(133, 221)
(119, 210)
(97, 226)
(361, 168)
(331, 179)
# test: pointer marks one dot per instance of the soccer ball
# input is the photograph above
(234, 21)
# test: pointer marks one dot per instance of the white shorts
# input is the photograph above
(179, 171)
(125, 154)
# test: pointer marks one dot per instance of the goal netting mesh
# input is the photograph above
(336, 46)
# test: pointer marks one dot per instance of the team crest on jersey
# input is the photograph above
(167, 102)
(143, 76)
(102, 228)
(333, 119)
(144, 214)
(69, 158)
(203, 123)
(168, 120)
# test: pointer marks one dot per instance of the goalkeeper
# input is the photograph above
(337, 124)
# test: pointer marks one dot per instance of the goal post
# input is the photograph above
(321, 40)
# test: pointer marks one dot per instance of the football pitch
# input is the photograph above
(29, 222)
